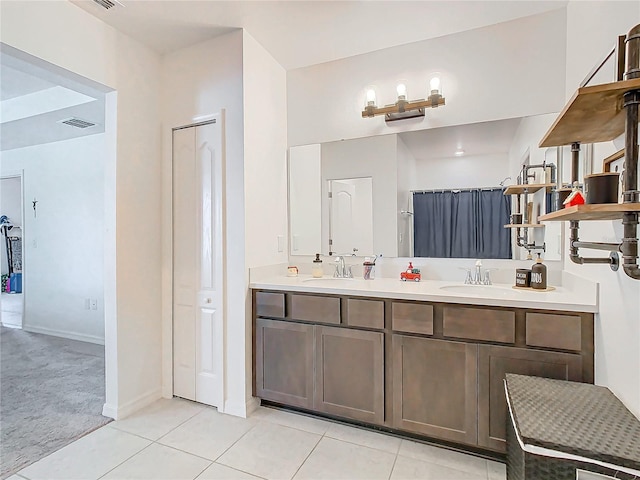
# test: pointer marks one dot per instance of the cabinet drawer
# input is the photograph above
(480, 324)
(314, 308)
(412, 318)
(365, 313)
(554, 331)
(270, 304)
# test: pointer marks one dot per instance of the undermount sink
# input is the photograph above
(328, 280)
(480, 290)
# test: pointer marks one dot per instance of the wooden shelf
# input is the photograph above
(524, 225)
(604, 211)
(594, 114)
(528, 187)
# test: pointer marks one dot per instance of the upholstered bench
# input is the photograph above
(555, 428)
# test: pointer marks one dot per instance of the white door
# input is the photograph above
(351, 223)
(198, 305)
(342, 199)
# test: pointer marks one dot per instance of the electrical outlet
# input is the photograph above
(93, 304)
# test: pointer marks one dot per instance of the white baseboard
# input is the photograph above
(64, 334)
(118, 413)
(241, 409)
(110, 411)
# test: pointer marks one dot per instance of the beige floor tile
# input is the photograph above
(159, 418)
(158, 462)
(270, 451)
(208, 434)
(222, 472)
(87, 458)
(364, 437)
(412, 469)
(441, 456)
(293, 420)
(333, 459)
(497, 470)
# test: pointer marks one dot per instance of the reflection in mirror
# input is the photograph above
(350, 216)
(398, 165)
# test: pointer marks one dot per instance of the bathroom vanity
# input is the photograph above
(424, 359)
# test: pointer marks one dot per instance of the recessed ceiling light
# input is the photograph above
(459, 152)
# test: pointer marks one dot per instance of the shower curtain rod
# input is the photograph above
(456, 189)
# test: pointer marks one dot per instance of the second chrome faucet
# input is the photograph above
(478, 276)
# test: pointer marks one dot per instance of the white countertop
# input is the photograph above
(578, 299)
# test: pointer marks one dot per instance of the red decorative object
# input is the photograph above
(574, 198)
(410, 274)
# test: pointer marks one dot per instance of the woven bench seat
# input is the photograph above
(556, 427)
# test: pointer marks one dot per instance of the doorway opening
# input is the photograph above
(11, 228)
(53, 369)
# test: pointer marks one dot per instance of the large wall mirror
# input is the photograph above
(365, 195)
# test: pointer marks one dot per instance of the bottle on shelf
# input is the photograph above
(539, 275)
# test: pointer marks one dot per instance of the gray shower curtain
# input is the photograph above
(462, 224)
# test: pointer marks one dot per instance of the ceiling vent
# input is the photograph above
(77, 122)
(107, 4)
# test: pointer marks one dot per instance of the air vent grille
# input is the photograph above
(77, 122)
(105, 3)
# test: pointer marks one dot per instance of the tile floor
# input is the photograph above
(177, 439)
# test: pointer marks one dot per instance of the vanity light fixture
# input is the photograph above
(404, 108)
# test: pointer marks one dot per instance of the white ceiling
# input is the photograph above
(296, 33)
(34, 99)
(302, 33)
(475, 139)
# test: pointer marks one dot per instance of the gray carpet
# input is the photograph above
(51, 393)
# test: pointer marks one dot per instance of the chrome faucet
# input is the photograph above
(342, 269)
(478, 277)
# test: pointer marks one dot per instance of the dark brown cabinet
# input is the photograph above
(429, 369)
(350, 373)
(493, 363)
(284, 362)
(434, 388)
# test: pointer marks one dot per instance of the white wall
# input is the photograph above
(374, 157)
(11, 206)
(265, 179)
(63, 249)
(467, 171)
(406, 176)
(305, 200)
(592, 28)
(132, 205)
(507, 70)
(201, 80)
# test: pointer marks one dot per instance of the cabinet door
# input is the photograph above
(284, 362)
(494, 362)
(434, 388)
(350, 373)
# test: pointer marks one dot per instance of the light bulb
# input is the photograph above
(371, 97)
(434, 84)
(459, 152)
(402, 91)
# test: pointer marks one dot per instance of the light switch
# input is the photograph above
(280, 243)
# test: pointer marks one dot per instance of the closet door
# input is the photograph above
(198, 322)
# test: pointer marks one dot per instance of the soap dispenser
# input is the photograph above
(316, 271)
(539, 275)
